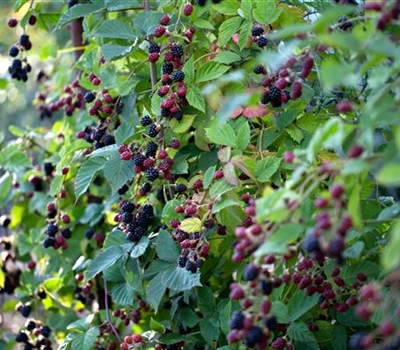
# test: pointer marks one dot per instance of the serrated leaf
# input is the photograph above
(191, 225)
(180, 279)
(156, 326)
(230, 174)
(123, 294)
(183, 125)
(227, 57)
(244, 34)
(86, 173)
(300, 332)
(266, 14)
(208, 177)
(85, 340)
(208, 331)
(243, 136)
(118, 172)
(210, 71)
(267, 167)
(124, 132)
(188, 69)
(245, 164)
(195, 98)
(115, 29)
(104, 151)
(219, 188)
(155, 291)
(140, 247)
(228, 7)
(300, 303)
(227, 29)
(104, 260)
(223, 204)
(166, 248)
(222, 135)
(56, 185)
(80, 10)
(111, 51)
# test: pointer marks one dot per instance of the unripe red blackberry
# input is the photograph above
(96, 81)
(165, 20)
(296, 89)
(175, 143)
(336, 191)
(32, 20)
(219, 174)
(289, 157)
(188, 9)
(153, 57)
(344, 106)
(355, 151)
(12, 22)
(159, 31)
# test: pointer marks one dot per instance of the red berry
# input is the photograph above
(65, 170)
(336, 191)
(344, 106)
(373, 6)
(289, 157)
(356, 151)
(188, 10)
(108, 98)
(219, 174)
(50, 206)
(12, 22)
(65, 219)
(96, 81)
(154, 56)
(165, 20)
(296, 89)
(137, 338)
(79, 277)
(175, 144)
(128, 339)
(124, 346)
(387, 328)
(32, 20)
(31, 265)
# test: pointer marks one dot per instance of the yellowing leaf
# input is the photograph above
(191, 225)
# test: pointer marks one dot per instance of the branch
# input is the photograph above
(115, 331)
(153, 71)
(76, 29)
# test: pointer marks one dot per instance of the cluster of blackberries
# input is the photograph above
(84, 293)
(98, 136)
(56, 237)
(35, 336)
(257, 34)
(19, 71)
(275, 96)
(103, 105)
(135, 221)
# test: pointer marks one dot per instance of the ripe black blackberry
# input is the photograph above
(151, 174)
(45, 331)
(154, 48)
(177, 50)
(89, 97)
(152, 131)
(191, 266)
(66, 233)
(139, 159)
(21, 337)
(136, 234)
(266, 286)
(108, 140)
(167, 68)
(48, 168)
(182, 261)
(126, 217)
(146, 120)
(178, 115)
(199, 263)
(26, 310)
(178, 76)
(265, 99)
(259, 70)
(24, 40)
(98, 134)
(147, 211)
(49, 242)
(30, 325)
(151, 149)
(146, 187)
(271, 322)
(13, 51)
(89, 233)
(274, 93)
(165, 113)
(257, 31)
(180, 188)
(121, 191)
(250, 272)
(254, 336)
(51, 230)
(236, 321)
(127, 207)
(262, 41)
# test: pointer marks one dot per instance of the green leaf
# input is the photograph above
(210, 71)
(208, 177)
(140, 247)
(156, 326)
(115, 29)
(219, 188)
(183, 125)
(118, 5)
(243, 136)
(222, 135)
(147, 22)
(155, 291)
(266, 14)
(225, 315)
(245, 164)
(267, 167)
(123, 294)
(118, 172)
(286, 118)
(56, 185)
(246, 8)
(339, 337)
(85, 341)
(390, 256)
(5, 187)
(279, 309)
(244, 34)
(330, 78)
(300, 332)
(180, 279)
(195, 98)
(81, 324)
(191, 225)
(111, 51)
(166, 247)
(223, 204)
(230, 174)
(188, 69)
(389, 175)
(226, 57)
(86, 173)
(209, 332)
(206, 301)
(227, 29)
(124, 132)
(80, 10)
(102, 261)
(228, 7)
(300, 303)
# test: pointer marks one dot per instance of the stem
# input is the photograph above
(153, 71)
(115, 331)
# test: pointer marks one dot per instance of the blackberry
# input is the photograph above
(154, 48)
(89, 97)
(146, 120)
(24, 40)
(167, 68)
(127, 207)
(28, 346)
(151, 174)
(177, 50)
(165, 113)
(148, 211)
(14, 51)
(151, 149)
(199, 263)
(191, 266)
(236, 321)
(51, 230)
(152, 131)
(108, 140)
(265, 99)
(254, 336)
(146, 187)
(31, 325)
(259, 70)
(180, 188)
(66, 233)
(45, 331)
(250, 272)
(346, 24)
(48, 168)
(26, 310)
(271, 322)
(89, 233)
(178, 76)
(123, 190)
(182, 303)
(166, 305)
(178, 115)
(257, 31)
(182, 261)
(274, 93)
(21, 337)
(276, 103)
(137, 234)
(262, 41)
(49, 242)
(42, 294)
(311, 244)
(266, 287)
(139, 159)
(98, 134)
(127, 217)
